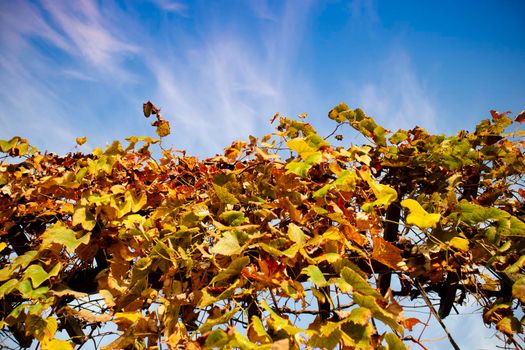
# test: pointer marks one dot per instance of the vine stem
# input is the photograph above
(434, 312)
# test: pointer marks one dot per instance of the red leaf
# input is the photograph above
(496, 115)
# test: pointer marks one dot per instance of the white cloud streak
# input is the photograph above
(172, 6)
(89, 38)
(399, 98)
(214, 82)
(46, 47)
(228, 87)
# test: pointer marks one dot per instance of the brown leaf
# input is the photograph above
(149, 109)
(274, 117)
(520, 118)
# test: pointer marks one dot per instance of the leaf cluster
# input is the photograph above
(281, 242)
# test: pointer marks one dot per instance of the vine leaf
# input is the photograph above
(419, 216)
(227, 245)
(358, 283)
(58, 233)
(518, 289)
(386, 253)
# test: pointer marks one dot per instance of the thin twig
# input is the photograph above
(335, 130)
(434, 312)
(417, 341)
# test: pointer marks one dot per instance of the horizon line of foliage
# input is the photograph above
(233, 251)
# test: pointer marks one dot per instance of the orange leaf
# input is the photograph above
(386, 253)
(408, 323)
(354, 236)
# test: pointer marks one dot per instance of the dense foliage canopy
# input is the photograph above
(282, 242)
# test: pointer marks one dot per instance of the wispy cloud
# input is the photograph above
(398, 97)
(172, 6)
(46, 48)
(88, 35)
(229, 82)
(210, 76)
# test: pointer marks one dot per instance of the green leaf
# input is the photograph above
(281, 323)
(340, 112)
(232, 217)
(28, 292)
(224, 195)
(515, 228)
(233, 270)
(358, 283)
(394, 343)
(217, 339)
(398, 137)
(208, 299)
(6, 146)
(345, 182)
(379, 135)
(473, 213)
(84, 217)
(211, 322)
(298, 168)
(314, 158)
(227, 245)
(315, 275)
(419, 216)
(58, 233)
(296, 234)
(378, 312)
(24, 260)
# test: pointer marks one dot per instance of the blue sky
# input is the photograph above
(221, 69)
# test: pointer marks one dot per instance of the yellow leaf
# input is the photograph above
(163, 128)
(385, 195)
(419, 216)
(137, 200)
(2, 246)
(228, 245)
(56, 344)
(459, 243)
(51, 327)
(129, 316)
(81, 140)
(84, 217)
(296, 234)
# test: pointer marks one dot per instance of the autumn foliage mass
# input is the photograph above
(284, 242)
